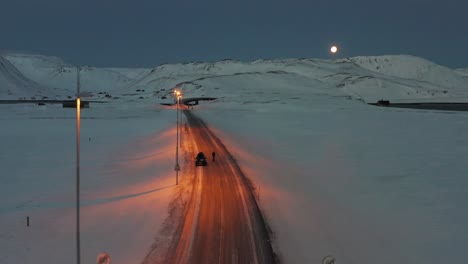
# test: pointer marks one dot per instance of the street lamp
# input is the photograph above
(78, 117)
(179, 99)
(178, 95)
(78, 69)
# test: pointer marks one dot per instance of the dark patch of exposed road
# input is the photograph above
(223, 223)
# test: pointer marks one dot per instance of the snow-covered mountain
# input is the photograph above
(462, 72)
(13, 83)
(396, 78)
(54, 72)
(412, 68)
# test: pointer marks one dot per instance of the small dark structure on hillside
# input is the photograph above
(190, 101)
(383, 103)
(195, 100)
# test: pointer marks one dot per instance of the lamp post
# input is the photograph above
(78, 106)
(78, 69)
(179, 99)
(177, 167)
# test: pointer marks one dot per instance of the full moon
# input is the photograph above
(333, 49)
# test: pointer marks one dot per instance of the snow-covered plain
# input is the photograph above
(332, 174)
(127, 181)
(364, 185)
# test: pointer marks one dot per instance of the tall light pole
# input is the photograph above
(78, 105)
(177, 167)
(180, 122)
(78, 69)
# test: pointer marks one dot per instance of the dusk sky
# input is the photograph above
(146, 33)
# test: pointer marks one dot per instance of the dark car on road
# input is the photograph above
(200, 160)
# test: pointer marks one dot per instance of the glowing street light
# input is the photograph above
(178, 95)
(78, 105)
(78, 117)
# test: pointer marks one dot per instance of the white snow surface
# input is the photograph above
(396, 78)
(14, 83)
(127, 181)
(333, 175)
(54, 72)
(366, 185)
(463, 72)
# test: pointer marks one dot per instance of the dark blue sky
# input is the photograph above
(146, 33)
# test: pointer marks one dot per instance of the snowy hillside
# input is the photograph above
(412, 68)
(54, 72)
(463, 72)
(14, 84)
(347, 77)
(368, 79)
